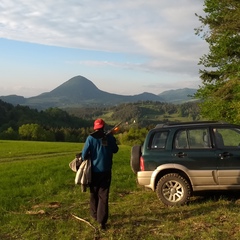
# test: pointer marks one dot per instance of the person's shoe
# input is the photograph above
(103, 226)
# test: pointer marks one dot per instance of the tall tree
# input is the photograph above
(220, 91)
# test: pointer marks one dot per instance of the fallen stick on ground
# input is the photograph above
(83, 220)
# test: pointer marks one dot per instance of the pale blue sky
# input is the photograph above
(124, 47)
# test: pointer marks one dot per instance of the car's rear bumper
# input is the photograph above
(144, 178)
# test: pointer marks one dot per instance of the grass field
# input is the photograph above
(38, 200)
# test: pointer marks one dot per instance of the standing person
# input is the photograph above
(100, 146)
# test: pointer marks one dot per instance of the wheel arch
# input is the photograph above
(163, 171)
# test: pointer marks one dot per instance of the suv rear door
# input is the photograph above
(156, 150)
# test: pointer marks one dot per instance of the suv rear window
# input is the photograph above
(159, 140)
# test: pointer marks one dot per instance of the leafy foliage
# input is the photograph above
(134, 136)
(35, 132)
(221, 76)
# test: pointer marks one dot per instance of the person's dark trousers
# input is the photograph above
(99, 193)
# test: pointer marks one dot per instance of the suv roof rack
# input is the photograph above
(162, 125)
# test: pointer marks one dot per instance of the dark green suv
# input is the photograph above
(179, 159)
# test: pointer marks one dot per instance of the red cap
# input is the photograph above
(98, 124)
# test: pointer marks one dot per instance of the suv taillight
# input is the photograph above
(142, 168)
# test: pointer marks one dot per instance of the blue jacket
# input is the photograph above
(101, 152)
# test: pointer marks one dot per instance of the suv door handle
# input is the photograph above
(225, 155)
(180, 154)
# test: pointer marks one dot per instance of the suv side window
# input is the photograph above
(159, 140)
(192, 139)
(181, 140)
(227, 137)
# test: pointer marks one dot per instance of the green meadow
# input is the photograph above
(39, 200)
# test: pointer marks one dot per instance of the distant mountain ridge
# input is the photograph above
(79, 91)
(178, 95)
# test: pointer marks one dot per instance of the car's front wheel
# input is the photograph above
(173, 189)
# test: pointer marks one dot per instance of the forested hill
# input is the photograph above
(74, 124)
(144, 113)
(15, 116)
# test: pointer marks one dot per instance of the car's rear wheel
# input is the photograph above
(173, 189)
(135, 158)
